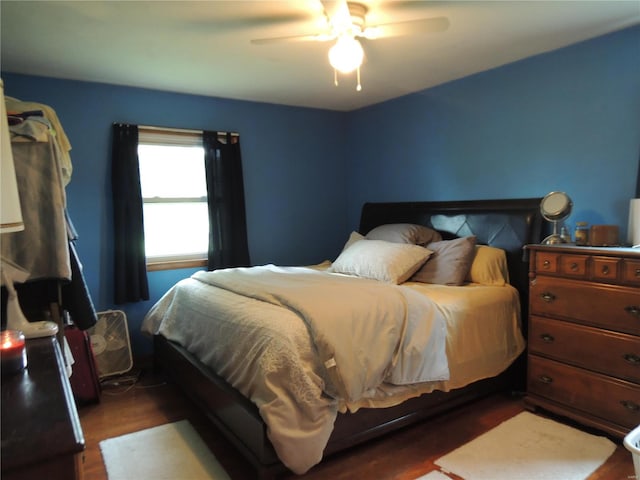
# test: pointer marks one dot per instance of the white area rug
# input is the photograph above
(169, 452)
(435, 475)
(529, 447)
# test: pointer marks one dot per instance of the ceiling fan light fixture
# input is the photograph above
(371, 33)
(346, 55)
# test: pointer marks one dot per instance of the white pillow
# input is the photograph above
(489, 266)
(379, 260)
(353, 238)
(404, 233)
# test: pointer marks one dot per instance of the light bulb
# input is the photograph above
(346, 55)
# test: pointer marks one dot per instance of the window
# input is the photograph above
(174, 195)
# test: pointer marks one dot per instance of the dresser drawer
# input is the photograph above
(603, 351)
(612, 307)
(547, 262)
(631, 272)
(616, 401)
(573, 265)
(605, 269)
(562, 264)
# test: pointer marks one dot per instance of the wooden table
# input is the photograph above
(41, 432)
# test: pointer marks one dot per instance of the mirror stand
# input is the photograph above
(555, 207)
(555, 238)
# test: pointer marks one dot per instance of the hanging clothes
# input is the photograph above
(42, 247)
(15, 106)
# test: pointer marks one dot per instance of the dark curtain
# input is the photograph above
(130, 270)
(228, 246)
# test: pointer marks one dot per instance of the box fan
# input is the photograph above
(110, 344)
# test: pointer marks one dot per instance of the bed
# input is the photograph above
(284, 417)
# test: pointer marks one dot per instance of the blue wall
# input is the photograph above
(566, 120)
(294, 198)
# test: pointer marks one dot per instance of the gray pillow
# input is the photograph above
(449, 263)
(404, 233)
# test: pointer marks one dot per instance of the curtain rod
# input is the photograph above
(181, 130)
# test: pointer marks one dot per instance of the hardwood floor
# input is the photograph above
(404, 455)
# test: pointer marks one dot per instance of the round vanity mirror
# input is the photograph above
(555, 207)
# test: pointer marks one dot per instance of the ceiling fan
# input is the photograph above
(347, 25)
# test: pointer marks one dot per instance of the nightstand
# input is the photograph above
(584, 335)
(41, 433)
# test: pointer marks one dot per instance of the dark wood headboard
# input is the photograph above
(507, 224)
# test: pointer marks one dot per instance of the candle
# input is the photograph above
(13, 354)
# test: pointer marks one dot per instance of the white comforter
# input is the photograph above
(346, 316)
(300, 343)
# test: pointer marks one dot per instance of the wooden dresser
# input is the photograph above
(41, 433)
(584, 335)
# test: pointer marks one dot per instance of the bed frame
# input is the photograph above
(506, 224)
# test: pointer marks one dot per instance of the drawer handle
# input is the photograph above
(605, 270)
(629, 405)
(546, 338)
(637, 272)
(573, 267)
(632, 310)
(547, 264)
(545, 379)
(550, 297)
(632, 358)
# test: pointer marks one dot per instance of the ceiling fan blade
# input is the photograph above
(233, 24)
(340, 17)
(316, 37)
(409, 27)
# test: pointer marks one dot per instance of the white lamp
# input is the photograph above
(633, 232)
(10, 210)
(11, 214)
(346, 56)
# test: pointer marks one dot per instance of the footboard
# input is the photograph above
(235, 416)
(238, 419)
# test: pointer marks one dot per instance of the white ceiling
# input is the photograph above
(203, 47)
